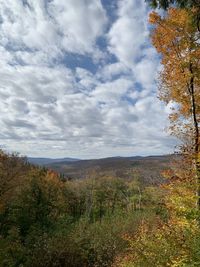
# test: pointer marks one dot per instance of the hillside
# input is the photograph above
(147, 169)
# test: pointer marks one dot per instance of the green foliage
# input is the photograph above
(101, 242)
(46, 221)
(165, 4)
(171, 244)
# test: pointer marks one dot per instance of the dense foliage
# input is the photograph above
(47, 221)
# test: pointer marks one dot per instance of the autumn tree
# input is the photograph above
(14, 171)
(193, 5)
(177, 40)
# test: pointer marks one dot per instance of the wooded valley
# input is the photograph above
(117, 212)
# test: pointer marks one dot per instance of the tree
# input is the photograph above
(165, 4)
(186, 4)
(177, 40)
(13, 171)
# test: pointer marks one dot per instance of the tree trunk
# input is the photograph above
(196, 136)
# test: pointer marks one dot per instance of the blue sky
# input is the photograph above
(77, 79)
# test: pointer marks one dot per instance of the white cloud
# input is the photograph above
(51, 26)
(110, 71)
(111, 92)
(145, 72)
(128, 34)
(102, 108)
(80, 22)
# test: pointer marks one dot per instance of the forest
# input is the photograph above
(48, 221)
(103, 220)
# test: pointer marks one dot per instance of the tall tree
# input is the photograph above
(177, 39)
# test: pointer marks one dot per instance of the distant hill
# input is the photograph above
(147, 169)
(44, 161)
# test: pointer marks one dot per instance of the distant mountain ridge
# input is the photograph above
(45, 161)
(147, 169)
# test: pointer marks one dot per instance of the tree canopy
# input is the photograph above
(165, 4)
(177, 40)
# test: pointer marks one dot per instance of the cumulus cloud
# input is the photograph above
(49, 28)
(128, 33)
(80, 22)
(58, 99)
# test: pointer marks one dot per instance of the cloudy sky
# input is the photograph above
(77, 79)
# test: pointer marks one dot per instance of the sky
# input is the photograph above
(78, 79)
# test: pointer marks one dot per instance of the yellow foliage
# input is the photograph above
(176, 38)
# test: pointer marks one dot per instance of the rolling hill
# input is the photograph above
(147, 169)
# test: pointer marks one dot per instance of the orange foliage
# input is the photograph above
(175, 37)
